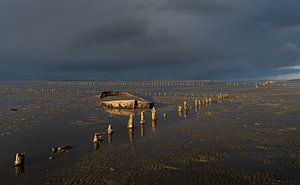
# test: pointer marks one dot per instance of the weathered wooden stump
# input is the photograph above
(185, 106)
(196, 103)
(109, 130)
(20, 159)
(96, 138)
(153, 111)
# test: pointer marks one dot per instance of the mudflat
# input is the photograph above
(250, 138)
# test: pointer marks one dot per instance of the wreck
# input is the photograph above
(123, 100)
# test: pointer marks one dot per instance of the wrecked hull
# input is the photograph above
(122, 112)
(128, 104)
(123, 100)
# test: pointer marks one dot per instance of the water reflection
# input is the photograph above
(142, 118)
(130, 122)
(19, 169)
(142, 130)
(154, 122)
(96, 146)
(109, 138)
(130, 135)
(179, 114)
(185, 112)
(196, 109)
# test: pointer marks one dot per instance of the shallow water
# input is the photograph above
(74, 126)
(251, 138)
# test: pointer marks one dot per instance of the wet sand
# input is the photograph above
(251, 138)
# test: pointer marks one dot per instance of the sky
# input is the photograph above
(149, 39)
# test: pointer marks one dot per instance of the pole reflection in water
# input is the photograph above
(185, 112)
(179, 109)
(142, 118)
(19, 169)
(142, 130)
(154, 122)
(130, 122)
(130, 135)
(109, 138)
(179, 114)
(96, 146)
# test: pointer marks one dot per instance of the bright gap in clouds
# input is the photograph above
(294, 74)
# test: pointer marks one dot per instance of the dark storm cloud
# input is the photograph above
(122, 39)
(116, 31)
(281, 13)
(206, 7)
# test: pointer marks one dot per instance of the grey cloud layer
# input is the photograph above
(128, 39)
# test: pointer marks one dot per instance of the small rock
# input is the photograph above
(6, 133)
(61, 149)
(13, 110)
(165, 115)
(53, 149)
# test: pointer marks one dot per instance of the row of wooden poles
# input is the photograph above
(164, 83)
(130, 125)
(141, 83)
(137, 83)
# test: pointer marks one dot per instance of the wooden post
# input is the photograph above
(96, 138)
(179, 108)
(185, 106)
(109, 130)
(153, 111)
(19, 159)
(196, 103)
